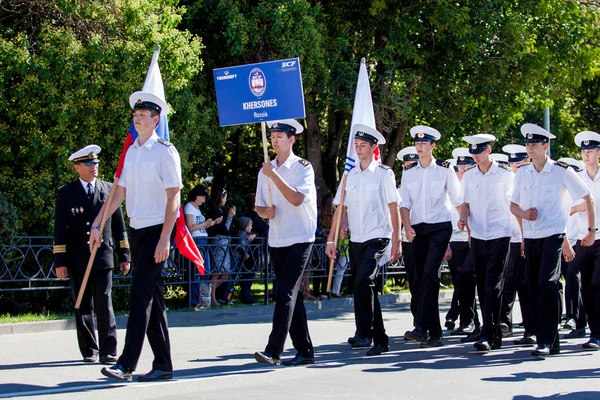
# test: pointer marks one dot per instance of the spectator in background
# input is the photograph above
(320, 263)
(219, 234)
(244, 261)
(259, 225)
(197, 225)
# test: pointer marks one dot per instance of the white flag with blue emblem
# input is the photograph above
(361, 114)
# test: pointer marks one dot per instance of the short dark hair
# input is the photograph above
(250, 199)
(198, 190)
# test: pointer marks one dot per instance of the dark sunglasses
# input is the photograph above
(89, 163)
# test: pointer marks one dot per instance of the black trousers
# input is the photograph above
(490, 258)
(587, 260)
(290, 315)
(460, 250)
(429, 247)
(96, 300)
(364, 259)
(147, 315)
(414, 282)
(515, 282)
(572, 273)
(543, 272)
(468, 287)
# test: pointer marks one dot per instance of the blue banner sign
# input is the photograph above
(253, 93)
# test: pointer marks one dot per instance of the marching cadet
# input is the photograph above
(515, 277)
(541, 198)
(409, 156)
(424, 191)
(576, 318)
(456, 254)
(587, 258)
(151, 183)
(77, 204)
(371, 205)
(485, 190)
(292, 226)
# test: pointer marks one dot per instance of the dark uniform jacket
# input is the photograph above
(74, 216)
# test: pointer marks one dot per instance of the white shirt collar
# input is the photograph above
(433, 164)
(149, 143)
(85, 187)
(287, 163)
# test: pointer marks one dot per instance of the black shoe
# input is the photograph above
(362, 343)
(155, 375)
(416, 335)
(377, 350)
(473, 337)
(464, 329)
(542, 350)
(526, 340)
(90, 359)
(108, 359)
(571, 324)
(266, 358)
(449, 324)
(433, 342)
(482, 345)
(354, 338)
(298, 360)
(503, 327)
(592, 344)
(576, 333)
(117, 371)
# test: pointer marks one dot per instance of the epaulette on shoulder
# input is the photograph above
(384, 166)
(165, 142)
(561, 164)
(304, 162)
(470, 167)
(441, 163)
(523, 165)
(409, 166)
(506, 167)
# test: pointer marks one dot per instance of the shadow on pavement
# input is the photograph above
(562, 396)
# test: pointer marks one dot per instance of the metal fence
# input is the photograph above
(27, 264)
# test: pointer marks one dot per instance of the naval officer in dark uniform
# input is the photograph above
(77, 204)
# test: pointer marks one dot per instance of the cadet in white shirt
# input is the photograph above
(424, 191)
(587, 258)
(409, 156)
(292, 225)
(371, 205)
(485, 190)
(576, 319)
(515, 277)
(541, 198)
(457, 256)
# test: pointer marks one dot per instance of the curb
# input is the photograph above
(190, 318)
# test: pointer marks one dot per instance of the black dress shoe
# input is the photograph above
(473, 337)
(464, 329)
(503, 327)
(571, 324)
(354, 338)
(108, 359)
(378, 349)
(117, 371)
(482, 345)
(450, 324)
(526, 340)
(576, 334)
(362, 342)
(298, 360)
(155, 375)
(542, 350)
(416, 335)
(90, 359)
(433, 342)
(266, 358)
(592, 344)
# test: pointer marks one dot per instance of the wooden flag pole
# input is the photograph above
(263, 126)
(88, 269)
(336, 233)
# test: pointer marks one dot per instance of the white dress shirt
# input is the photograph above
(291, 224)
(488, 197)
(425, 191)
(516, 236)
(457, 234)
(149, 170)
(594, 186)
(367, 198)
(551, 192)
(85, 185)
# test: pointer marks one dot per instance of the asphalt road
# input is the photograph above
(213, 360)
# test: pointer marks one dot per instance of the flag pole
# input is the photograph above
(336, 233)
(88, 269)
(263, 126)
